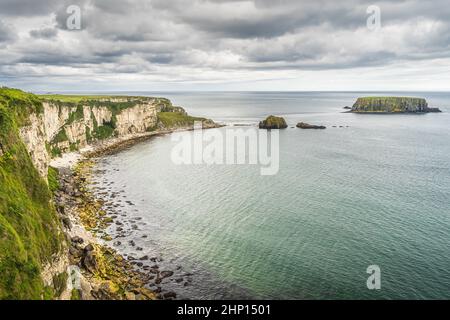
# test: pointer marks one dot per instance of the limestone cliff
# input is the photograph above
(66, 126)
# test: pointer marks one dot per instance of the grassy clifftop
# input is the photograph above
(29, 228)
(177, 119)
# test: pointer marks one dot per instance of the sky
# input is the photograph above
(230, 45)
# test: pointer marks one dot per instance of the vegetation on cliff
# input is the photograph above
(29, 228)
(167, 116)
(177, 119)
(83, 98)
(273, 122)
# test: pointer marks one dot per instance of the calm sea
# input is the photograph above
(374, 192)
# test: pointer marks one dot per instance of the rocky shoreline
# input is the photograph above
(105, 274)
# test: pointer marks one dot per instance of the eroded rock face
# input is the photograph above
(35, 140)
(63, 127)
(54, 118)
(273, 122)
(136, 119)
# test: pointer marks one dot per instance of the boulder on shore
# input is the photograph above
(273, 122)
(303, 125)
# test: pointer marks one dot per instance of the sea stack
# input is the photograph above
(391, 105)
(273, 122)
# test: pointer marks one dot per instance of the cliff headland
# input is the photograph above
(46, 213)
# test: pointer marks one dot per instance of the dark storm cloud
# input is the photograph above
(6, 33)
(271, 19)
(27, 7)
(212, 21)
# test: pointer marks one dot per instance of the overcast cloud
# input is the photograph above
(225, 45)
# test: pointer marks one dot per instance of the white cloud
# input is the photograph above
(295, 45)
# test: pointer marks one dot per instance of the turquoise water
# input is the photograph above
(375, 192)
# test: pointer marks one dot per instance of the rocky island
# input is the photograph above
(391, 105)
(273, 122)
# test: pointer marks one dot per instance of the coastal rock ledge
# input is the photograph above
(391, 105)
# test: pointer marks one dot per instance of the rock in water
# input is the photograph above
(166, 274)
(392, 105)
(303, 125)
(273, 122)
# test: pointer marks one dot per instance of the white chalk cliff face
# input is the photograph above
(34, 137)
(136, 119)
(64, 127)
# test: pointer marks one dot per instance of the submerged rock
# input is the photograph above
(170, 295)
(166, 274)
(273, 122)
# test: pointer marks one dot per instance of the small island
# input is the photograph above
(273, 122)
(303, 125)
(391, 105)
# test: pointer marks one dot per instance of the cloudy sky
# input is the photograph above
(155, 45)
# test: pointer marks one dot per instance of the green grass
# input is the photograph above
(53, 182)
(60, 283)
(86, 98)
(29, 228)
(75, 295)
(55, 152)
(387, 98)
(78, 114)
(20, 103)
(176, 119)
(103, 132)
(71, 98)
(61, 136)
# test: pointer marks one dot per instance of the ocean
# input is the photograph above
(373, 190)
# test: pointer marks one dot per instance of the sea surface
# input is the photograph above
(375, 191)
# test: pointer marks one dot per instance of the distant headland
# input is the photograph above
(391, 105)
